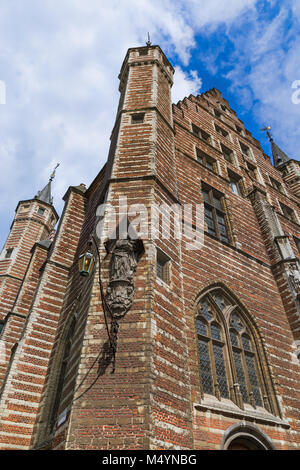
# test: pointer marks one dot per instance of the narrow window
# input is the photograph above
(211, 352)
(245, 150)
(251, 169)
(8, 253)
(214, 213)
(297, 242)
(227, 153)
(62, 373)
(162, 266)
(235, 183)
(239, 130)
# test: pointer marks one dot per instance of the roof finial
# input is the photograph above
(267, 130)
(148, 43)
(53, 173)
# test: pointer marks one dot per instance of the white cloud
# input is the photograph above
(185, 83)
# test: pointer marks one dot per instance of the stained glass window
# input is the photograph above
(218, 373)
(205, 369)
(220, 370)
(211, 352)
(201, 327)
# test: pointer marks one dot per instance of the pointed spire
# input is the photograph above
(279, 157)
(148, 43)
(45, 194)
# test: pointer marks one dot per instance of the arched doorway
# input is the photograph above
(243, 436)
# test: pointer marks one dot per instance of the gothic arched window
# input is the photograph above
(231, 356)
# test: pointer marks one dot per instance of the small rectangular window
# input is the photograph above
(206, 160)
(8, 253)
(288, 212)
(235, 183)
(162, 266)
(143, 52)
(275, 184)
(221, 131)
(251, 171)
(41, 211)
(201, 133)
(137, 118)
(297, 242)
(239, 130)
(227, 153)
(25, 207)
(246, 150)
(217, 114)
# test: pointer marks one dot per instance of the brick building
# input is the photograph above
(163, 344)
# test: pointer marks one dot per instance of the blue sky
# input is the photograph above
(60, 59)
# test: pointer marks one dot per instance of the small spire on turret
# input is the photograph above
(45, 194)
(279, 157)
(148, 43)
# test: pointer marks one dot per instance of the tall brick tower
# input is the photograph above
(34, 221)
(163, 344)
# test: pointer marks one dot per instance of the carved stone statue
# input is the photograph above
(293, 274)
(120, 290)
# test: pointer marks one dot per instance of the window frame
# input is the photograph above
(222, 131)
(264, 396)
(245, 150)
(41, 211)
(206, 159)
(239, 130)
(238, 180)
(227, 155)
(221, 210)
(252, 171)
(201, 134)
(8, 253)
(137, 118)
(162, 261)
(288, 212)
(276, 184)
(218, 114)
(297, 243)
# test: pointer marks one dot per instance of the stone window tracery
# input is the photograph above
(231, 354)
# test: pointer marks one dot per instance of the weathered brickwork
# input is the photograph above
(61, 388)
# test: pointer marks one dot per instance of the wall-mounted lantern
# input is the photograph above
(86, 263)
